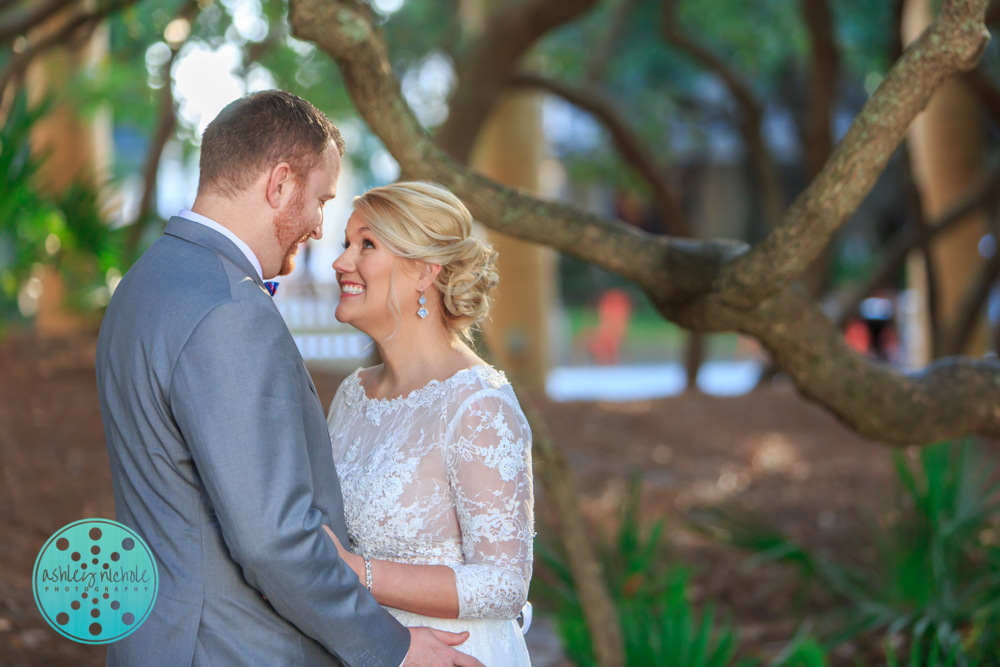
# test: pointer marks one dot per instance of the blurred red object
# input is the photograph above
(614, 309)
(857, 336)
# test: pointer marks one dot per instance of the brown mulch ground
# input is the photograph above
(771, 449)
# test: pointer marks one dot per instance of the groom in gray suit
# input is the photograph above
(219, 450)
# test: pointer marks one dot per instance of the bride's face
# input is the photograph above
(364, 272)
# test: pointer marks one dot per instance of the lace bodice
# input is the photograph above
(442, 476)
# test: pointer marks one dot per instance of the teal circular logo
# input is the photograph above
(95, 581)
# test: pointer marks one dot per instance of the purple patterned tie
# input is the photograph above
(272, 286)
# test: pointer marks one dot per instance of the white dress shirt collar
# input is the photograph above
(212, 224)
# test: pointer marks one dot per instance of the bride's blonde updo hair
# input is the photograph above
(423, 221)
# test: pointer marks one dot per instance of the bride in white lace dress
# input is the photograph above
(432, 449)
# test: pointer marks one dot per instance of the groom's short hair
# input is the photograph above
(258, 131)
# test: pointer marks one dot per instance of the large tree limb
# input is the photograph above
(950, 398)
(626, 142)
(750, 112)
(512, 30)
(952, 43)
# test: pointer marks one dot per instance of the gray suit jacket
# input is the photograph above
(221, 460)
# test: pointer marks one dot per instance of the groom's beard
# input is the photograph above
(286, 229)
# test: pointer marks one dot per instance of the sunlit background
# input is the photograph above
(207, 76)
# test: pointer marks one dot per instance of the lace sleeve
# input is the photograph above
(337, 404)
(488, 451)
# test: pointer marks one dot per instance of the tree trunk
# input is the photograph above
(817, 133)
(77, 148)
(508, 150)
(694, 355)
(945, 143)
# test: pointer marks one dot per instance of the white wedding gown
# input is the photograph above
(443, 476)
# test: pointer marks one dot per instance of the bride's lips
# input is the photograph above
(351, 289)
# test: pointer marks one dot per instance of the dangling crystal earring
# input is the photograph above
(422, 300)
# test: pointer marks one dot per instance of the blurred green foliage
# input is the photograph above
(935, 575)
(66, 229)
(660, 626)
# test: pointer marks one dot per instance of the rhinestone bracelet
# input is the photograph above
(368, 573)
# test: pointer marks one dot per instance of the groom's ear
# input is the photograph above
(279, 184)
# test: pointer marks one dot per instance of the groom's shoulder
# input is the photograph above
(177, 284)
(195, 276)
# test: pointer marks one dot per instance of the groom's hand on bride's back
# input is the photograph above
(433, 648)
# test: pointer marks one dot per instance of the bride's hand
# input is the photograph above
(354, 562)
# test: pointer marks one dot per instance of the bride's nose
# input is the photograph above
(343, 264)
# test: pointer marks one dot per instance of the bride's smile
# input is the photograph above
(376, 286)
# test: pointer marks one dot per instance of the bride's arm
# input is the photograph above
(490, 477)
(489, 467)
(422, 589)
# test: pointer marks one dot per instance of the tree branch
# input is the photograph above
(816, 124)
(950, 397)
(69, 31)
(164, 131)
(986, 91)
(257, 50)
(628, 145)
(513, 29)
(20, 25)
(750, 112)
(953, 42)
(996, 339)
(977, 292)
(599, 57)
(825, 74)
